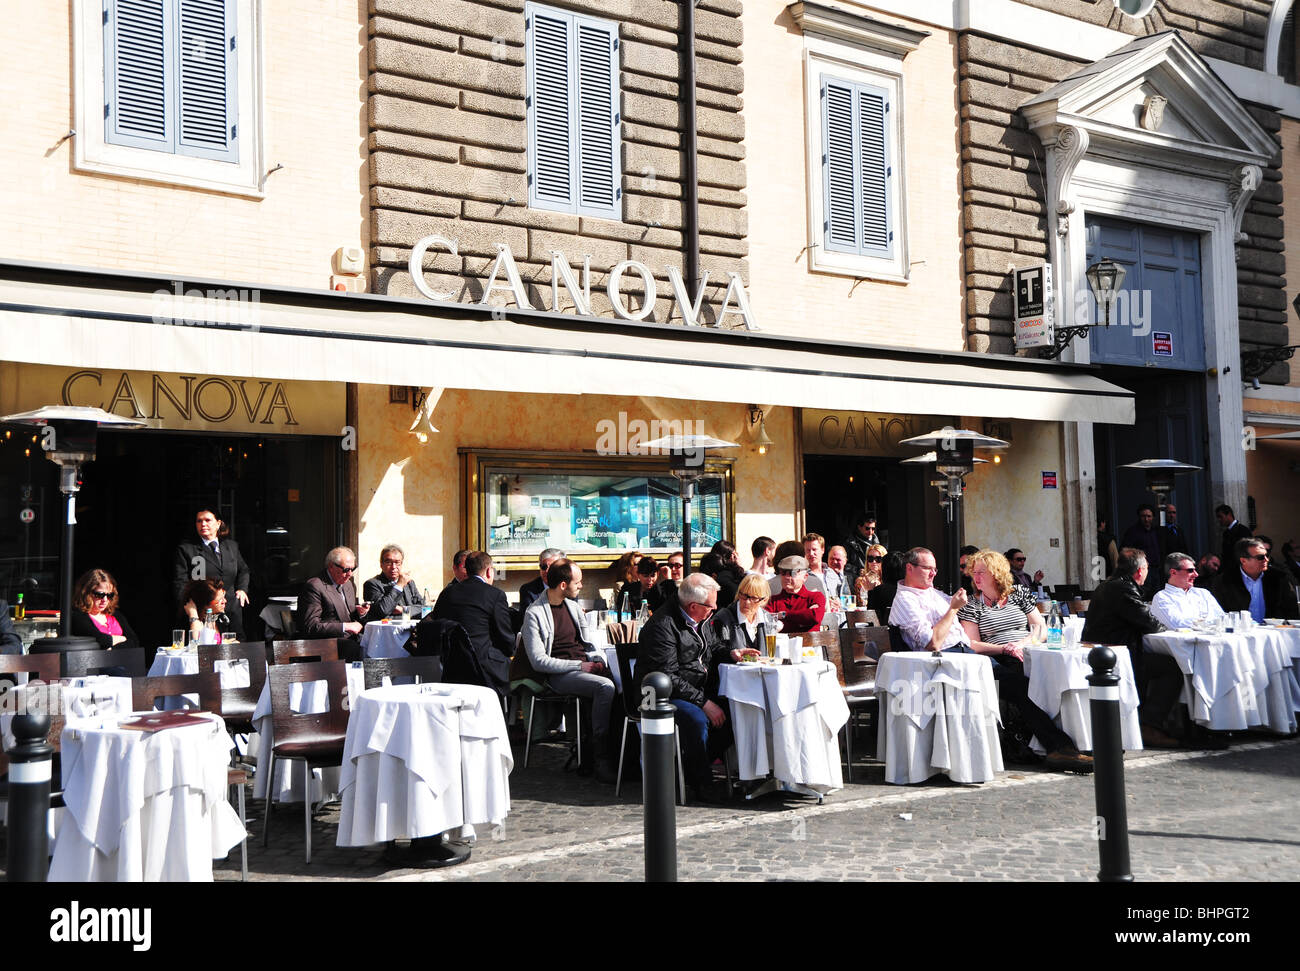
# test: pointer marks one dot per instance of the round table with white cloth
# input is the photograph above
(1058, 684)
(144, 805)
(386, 639)
(938, 714)
(786, 721)
(1234, 681)
(423, 759)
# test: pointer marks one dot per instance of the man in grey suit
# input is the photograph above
(328, 606)
(393, 585)
(556, 648)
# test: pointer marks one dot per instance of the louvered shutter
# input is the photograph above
(550, 132)
(207, 124)
(839, 166)
(599, 187)
(874, 171)
(138, 96)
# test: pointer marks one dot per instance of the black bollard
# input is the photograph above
(1108, 771)
(29, 798)
(658, 779)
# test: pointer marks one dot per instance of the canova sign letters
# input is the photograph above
(735, 301)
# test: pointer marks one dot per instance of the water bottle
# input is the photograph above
(210, 634)
(1055, 628)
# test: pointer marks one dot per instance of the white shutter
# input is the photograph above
(839, 180)
(550, 132)
(873, 143)
(597, 84)
(137, 88)
(206, 73)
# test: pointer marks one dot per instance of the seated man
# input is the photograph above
(535, 587)
(664, 590)
(678, 642)
(392, 586)
(926, 619)
(1016, 557)
(483, 611)
(1207, 569)
(557, 650)
(1180, 604)
(328, 606)
(1118, 615)
(458, 574)
(798, 609)
(1249, 584)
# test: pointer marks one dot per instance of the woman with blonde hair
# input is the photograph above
(872, 574)
(1001, 620)
(744, 625)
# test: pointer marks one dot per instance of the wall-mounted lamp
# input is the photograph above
(1104, 279)
(758, 430)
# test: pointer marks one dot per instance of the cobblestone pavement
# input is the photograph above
(1192, 816)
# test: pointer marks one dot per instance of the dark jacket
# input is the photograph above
(383, 595)
(10, 642)
(83, 626)
(856, 548)
(1228, 561)
(729, 578)
(635, 594)
(730, 632)
(529, 591)
(1279, 596)
(662, 593)
(668, 644)
(484, 612)
(322, 612)
(1173, 539)
(233, 572)
(1119, 615)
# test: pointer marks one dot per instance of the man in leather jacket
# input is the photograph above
(1251, 563)
(1118, 615)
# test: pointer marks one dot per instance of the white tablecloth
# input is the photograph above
(421, 760)
(144, 805)
(307, 697)
(379, 639)
(1235, 681)
(938, 714)
(786, 720)
(1058, 684)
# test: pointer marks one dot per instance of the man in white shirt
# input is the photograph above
(926, 618)
(1181, 603)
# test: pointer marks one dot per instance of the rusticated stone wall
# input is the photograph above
(1004, 193)
(448, 140)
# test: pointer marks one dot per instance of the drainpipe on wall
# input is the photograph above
(690, 145)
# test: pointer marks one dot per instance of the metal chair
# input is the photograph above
(315, 739)
(860, 649)
(81, 664)
(298, 652)
(631, 713)
(423, 669)
(547, 696)
(145, 693)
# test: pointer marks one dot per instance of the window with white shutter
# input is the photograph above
(573, 113)
(170, 77)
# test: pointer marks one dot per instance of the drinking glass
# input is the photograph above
(178, 639)
(849, 602)
(769, 645)
(228, 637)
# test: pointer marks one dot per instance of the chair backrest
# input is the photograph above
(80, 664)
(146, 691)
(860, 648)
(623, 632)
(858, 616)
(237, 702)
(297, 652)
(423, 669)
(626, 654)
(291, 726)
(820, 638)
(44, 667)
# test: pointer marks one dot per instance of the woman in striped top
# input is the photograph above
(1001, 620)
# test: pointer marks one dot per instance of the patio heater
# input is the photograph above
(687, 463)
(1160, 478)
(953, 455)
(68, 440)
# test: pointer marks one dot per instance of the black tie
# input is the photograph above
(216, 552)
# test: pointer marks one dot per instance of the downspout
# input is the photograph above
(690, 148)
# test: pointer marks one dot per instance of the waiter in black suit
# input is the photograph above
(215, 557)
(484, 612)
(1172, 537)
(328, 605)
(1233, 531)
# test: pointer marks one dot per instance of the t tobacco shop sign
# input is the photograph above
(735, 302)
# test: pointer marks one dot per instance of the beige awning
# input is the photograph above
(56, 315)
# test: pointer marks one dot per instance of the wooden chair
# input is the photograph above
(858, 616)
(298, 652)
(827, 640)
(38, 667)
(315, 739)
(146, 691)
(237, 704)
(81, 664)
(423, 669)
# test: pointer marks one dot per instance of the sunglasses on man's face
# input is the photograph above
(790, 573)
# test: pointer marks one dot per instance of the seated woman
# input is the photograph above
(1001, 621)
(200, 596)
(744, 625)
(94, 612)
(629, 583)
(869, 585)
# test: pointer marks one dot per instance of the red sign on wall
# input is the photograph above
(1049, 480)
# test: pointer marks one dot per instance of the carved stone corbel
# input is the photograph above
(1243, 185)
(1068, 150)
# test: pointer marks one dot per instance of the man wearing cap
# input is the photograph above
(799, 609)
